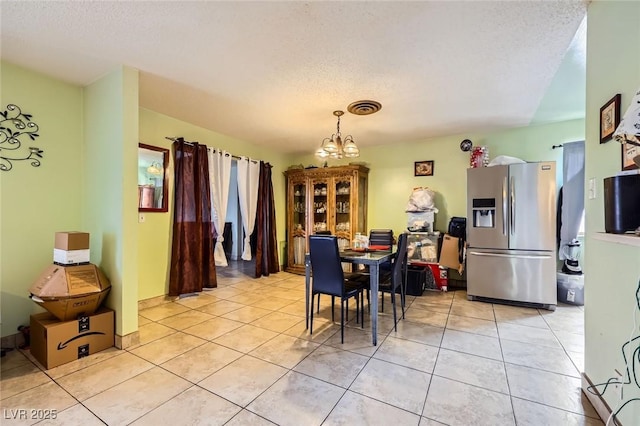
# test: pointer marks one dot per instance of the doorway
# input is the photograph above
(233, 228)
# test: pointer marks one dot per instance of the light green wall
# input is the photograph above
(110, 189)
(154, 234)
(36, 202)
(87, 182)
(129, 181)
(612, 270)
(391, 178)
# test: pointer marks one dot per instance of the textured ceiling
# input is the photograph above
(273, 72)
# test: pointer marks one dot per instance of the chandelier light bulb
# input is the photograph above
(331, 146)
(321, 153)
(350, 147)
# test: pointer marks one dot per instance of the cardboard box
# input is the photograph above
(68, 257)
(70, 308)
(55, 342)
(69, 291)
(449, 255)
(72, 240)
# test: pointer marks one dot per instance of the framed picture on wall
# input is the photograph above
(609, 118)
(629, 151)
(423, 168)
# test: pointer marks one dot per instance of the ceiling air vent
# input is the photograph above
(364, 107)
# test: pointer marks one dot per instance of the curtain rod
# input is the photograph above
(556, 146)
(191, 143)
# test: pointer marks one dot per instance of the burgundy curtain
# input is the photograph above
(266, 241)
(192, 264)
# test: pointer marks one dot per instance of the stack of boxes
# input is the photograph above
(72, 290)
(424, 272)
(71, 248)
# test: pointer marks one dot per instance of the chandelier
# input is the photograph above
(335, 147)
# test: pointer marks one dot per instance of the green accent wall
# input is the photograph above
(155, 233)
(612, 270)
(110, 193)
(36, 202)
(87, 182)
(391, 179)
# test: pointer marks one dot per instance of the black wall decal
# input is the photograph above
(15, 128)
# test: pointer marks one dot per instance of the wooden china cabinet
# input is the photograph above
(330, 199)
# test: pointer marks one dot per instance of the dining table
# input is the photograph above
(371, 258)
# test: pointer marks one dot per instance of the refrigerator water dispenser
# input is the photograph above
(484, 212)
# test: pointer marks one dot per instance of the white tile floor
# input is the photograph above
(240, 355)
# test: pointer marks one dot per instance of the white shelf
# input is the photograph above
(625, 239)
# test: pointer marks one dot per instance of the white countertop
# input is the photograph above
(626, 239)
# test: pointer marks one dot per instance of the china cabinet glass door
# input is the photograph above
(298, 222)
(320, 205)
(360, 207)
(342, 205)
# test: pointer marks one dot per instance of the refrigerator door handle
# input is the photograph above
(513, 205)
(504, 206)
(518, 256)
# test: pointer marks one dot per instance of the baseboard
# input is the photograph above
(128, 340)
(154, 301)
(11, 341)
(598, 402)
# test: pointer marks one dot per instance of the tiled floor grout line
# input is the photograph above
(383, 337)
(212, 373)
(435, 364)
(504, 368)
(290, 370)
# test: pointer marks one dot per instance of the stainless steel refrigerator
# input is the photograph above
(511, 234)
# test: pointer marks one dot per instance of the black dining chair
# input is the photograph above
(394, 282)
(355, 276)
(382, 238)
(328, 278)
